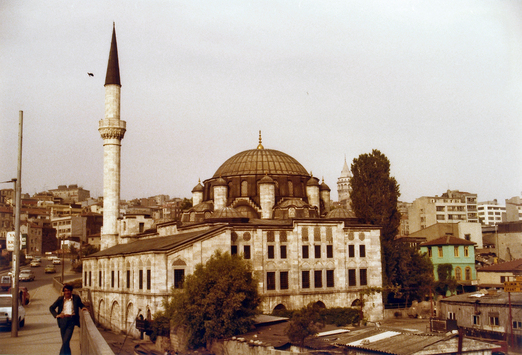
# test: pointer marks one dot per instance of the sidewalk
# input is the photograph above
(41, 334)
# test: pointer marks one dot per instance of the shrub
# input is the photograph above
(341, 316)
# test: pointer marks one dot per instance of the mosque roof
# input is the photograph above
(260, 162)
(159, 244)
(340, 213)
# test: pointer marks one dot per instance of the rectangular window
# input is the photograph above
(270, 281)
(305, 251)
(128, 278)
(317, 251)
(283, 280)
(99, 278)
(456, 251)
(476, 320)
(502, 279)
(246, 252)
(429, 252)
(440, 252)
(179, 277)
(466, 251)
(140, 280)
(351, 278)
(86, 281)
(270, 252)
(305, 278)
(318, 278)
(112, 278)
(233, 250)
(351, 251)
(118, 279)
(329, 278)
(149, 281)
(362, 251)
(517, 324)
(493, 321)
(363, 281)
(329, 251)
(90, 278)
(283, 251)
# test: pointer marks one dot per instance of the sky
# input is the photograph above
(436, 86)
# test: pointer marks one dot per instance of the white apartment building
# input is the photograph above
(491, 213)
(452, 206)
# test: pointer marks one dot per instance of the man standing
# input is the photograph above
(67, 315)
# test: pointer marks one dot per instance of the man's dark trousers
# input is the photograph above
(66, 325)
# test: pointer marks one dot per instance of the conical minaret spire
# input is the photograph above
(112, 129)
(113, 67)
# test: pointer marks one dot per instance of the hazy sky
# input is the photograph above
(434, 85)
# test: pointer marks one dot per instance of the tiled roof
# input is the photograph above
(158, 244)
(447, 240)
(509, 266)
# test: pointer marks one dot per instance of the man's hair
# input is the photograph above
(67, 287)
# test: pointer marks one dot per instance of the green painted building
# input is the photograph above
(460, 253)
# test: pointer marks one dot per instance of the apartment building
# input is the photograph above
(490, 213)
(452, 206)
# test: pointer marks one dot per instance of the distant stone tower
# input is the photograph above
(343, 186)
(112, 130)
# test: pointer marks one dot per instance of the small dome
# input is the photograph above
(226, 212)
(198, 187)
(220, 182)
(292, 202)
(340, 213)
(266, 180)
(312, 182)
(203, 207)
(324, 187)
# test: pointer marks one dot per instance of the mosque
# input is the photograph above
(260, 203)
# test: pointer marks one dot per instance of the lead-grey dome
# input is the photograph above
(260, 162)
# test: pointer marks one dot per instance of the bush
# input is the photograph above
(341, 316)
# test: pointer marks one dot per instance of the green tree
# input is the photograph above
(374, 200)
(186, 204)
(304, 323)
(446, 281)
(218, 300)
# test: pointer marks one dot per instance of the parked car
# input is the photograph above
(5, 282)
(50, 269)
(51, 257)
(35, 263)
(26, 275)
(57, 261)
(6, 315)
(24, 295)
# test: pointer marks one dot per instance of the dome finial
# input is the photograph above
(260, 146)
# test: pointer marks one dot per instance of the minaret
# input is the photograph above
(112, 130)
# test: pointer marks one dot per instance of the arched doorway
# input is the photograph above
(115, 317)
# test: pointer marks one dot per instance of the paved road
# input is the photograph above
(40, 335)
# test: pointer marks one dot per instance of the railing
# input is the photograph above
(91, 341)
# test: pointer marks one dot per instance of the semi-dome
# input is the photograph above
(260, 162)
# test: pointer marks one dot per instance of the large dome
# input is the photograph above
(260, 162)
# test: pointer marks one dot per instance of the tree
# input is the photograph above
(218, 300)
(374, 199)
(375, 193)
(186, 204)
(304, 323)
(446, 281)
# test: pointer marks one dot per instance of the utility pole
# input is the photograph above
(16, 251)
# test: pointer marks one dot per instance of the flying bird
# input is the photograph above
(90, 74)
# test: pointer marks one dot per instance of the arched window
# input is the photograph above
(468, 273)
(458, 273)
